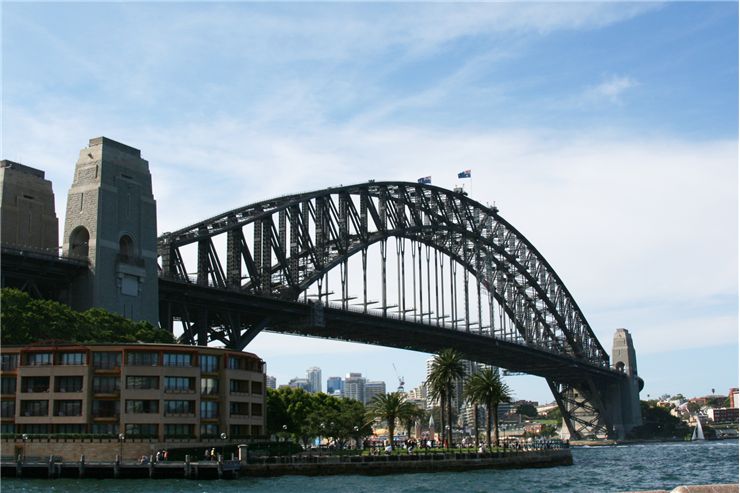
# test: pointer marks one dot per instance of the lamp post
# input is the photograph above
(121, 439)
(25, 439)
(223, 448)
(285, 433)
(357, 436)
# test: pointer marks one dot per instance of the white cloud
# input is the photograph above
(610, 89)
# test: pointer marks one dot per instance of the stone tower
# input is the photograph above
(627, 396)
(112, 221)
(28, 218)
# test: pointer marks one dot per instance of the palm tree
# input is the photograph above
(410, 414)
(487, 387)
(388, 407)
(471, 398)
(446, 368)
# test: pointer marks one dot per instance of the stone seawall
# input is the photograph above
(327, 466)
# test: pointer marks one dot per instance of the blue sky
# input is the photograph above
(605, 132)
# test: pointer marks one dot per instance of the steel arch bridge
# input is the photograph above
(500, 302)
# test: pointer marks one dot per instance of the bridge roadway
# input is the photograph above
(291, 317)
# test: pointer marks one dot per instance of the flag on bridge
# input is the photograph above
(464, 174)
(425, 180)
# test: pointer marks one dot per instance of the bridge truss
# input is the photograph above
(402, 252)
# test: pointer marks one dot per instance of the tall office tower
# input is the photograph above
(300, 383)
(334, 385)
(313, 375)
(372, 389)
(271, 382)
(354, 387)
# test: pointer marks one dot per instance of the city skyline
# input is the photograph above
(606, 133)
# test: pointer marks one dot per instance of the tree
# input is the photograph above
(527, 410)
(447, 367)
(486, 387)
(387, 407)
(409, 415)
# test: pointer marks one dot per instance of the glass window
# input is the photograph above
(236, 363)
(208, 430)
(209, 363)
(239, 386)
(208, 386)
(178, 430)
(34, 384)
(179, 384)
(36, 429)
(7, 428)
(34, 408)
(208, 409)
(106, 408)
(7, 409)
(179, 407)
(142, 430)
(239, 430)
(142, 382)
(8, 385)
(106, 360)
(239, 408)
(256, 387)
(70, 428)
(67, 384)
(177, 359)
(256, 409)
(142, 406)
(8, 362)
(105, 428)
(142, 358)
(71, 358)
(67, 408)
(106, 385)
(38, 359)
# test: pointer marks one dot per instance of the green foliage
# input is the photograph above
(555, 414)
(658, 423)
(388, 407)
(486, 387)
(26, 320)
(300, 415)
(447, 367)
(527, 410)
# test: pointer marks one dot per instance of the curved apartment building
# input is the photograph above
(158, 391)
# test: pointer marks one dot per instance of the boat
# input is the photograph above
(698, 431)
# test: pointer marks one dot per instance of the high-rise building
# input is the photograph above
(372, 389)
(333, 384)
(271, 382)
(300, 383)
(313, 375)
(354, 387)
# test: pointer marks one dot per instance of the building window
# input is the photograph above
(208, 410)
(8, 362)
(142, 430)
(7, 409)
(105, 429)
(105, 408)
(34, 408)
(107, 360)
(208, 386)
(142, 406)
(236, 363)
(209, 363)
(239, 408)
(8, 385)
(177, 359)
(34, 384)
(239, 431)
(142, 383)
(71, 359)
(36, 429)
(239, 386)
(7, 428)
(178, 431)
(256, 430)
(256, 409)
(142, 358)
(179, 384)
(79, 240)
(67, 408)
(257, 387)
(126, 247)
(70, 429)
(106, 385)
(208, 430)
(179, 407)
(67, 384)
(38, 359)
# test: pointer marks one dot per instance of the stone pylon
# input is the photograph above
(112, 221)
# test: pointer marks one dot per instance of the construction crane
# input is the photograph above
(400, 379)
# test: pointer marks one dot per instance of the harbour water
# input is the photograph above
(595, 469)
